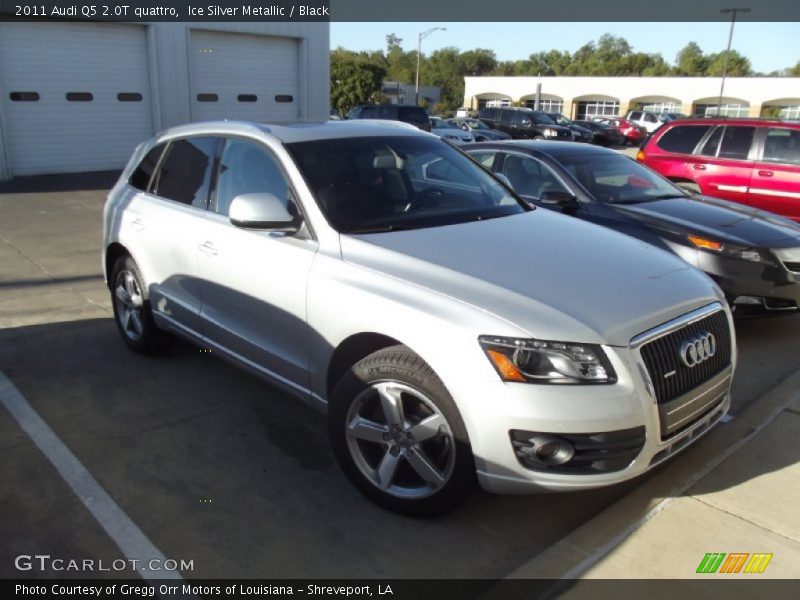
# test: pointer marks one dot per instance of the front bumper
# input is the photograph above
(773, 286)
(496, 410)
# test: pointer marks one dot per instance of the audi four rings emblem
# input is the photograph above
(698, 348)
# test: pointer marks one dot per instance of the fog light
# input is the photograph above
(550, 450)
(748, 300)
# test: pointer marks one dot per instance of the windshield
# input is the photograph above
(476, 124)
(373, 184)
(617, 179)
(439, 124)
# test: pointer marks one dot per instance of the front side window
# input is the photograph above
(736, 142)
(635, 115)
(520, 119)
(185, 172)
(374, 184)
(782, 146)
(144, 172)
(530, 177)
(247, 168)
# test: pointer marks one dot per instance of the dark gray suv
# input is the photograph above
(415, 115)
(525, 124)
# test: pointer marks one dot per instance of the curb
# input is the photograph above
(574, 554)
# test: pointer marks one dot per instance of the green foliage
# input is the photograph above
(356, 78)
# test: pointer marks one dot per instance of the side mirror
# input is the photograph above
(262, 211)
(504, 179)
(558, 198)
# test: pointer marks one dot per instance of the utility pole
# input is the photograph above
(733, 12)
(421, 37)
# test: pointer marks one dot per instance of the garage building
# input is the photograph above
(80, 96)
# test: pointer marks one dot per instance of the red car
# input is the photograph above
(750, 161)
(633, 133)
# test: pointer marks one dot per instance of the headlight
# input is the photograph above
(788, 254)
(550, 133)
(741, 252)
(537, 361)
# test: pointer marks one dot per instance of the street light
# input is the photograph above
(733, 12)
(421, 37)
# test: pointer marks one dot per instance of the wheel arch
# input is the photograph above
(351, 350)
(113, 252)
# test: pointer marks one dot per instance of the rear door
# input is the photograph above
(775, 180)
(166, 224)
(724, 163)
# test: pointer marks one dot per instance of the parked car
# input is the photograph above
(450, 331)
(633, 134)
(415, 115)
(579, 133)
(751, 161)
(454, 135)
(524, 123)
(753, 255)
(480, 130)
(651, 120)
(604, 135)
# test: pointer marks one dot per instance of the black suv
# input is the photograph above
(524, 123)
(415, 115)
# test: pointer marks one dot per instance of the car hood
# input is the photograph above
(552, 276)
(721, 220)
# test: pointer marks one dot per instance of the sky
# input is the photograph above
(769, 46)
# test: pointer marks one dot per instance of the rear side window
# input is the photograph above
(387, 112)
(368, 112)
(413, 114)
(736, 142)
(506, 116)
(711, 145)
(635, 115)
(782, 146)
(185, 172)
(489, 113)
(144, 172)
(682, 139)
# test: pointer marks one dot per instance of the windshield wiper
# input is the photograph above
(379, 229)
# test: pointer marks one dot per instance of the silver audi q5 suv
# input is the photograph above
(450, 331)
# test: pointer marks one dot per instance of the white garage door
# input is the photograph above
(76, 96)
(241, 76)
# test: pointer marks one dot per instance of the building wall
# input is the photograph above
(758, 92)
(168, 60)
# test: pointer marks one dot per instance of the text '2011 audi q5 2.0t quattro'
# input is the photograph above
(451, 331)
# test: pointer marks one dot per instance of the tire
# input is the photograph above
(689, 186)
(132, 312)
(386, 457)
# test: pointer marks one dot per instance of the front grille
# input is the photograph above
(793, 266)
(670, 376)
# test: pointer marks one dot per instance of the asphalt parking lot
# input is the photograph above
(213, 465)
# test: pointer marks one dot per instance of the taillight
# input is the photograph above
(640, 156)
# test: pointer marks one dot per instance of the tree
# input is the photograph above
(400, 65)
(795, 70)
(690, 61)
(738, 65)
(356, 78)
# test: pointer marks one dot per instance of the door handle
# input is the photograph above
(137, 225)
(766, 173)
(697, 167)
(208, 249)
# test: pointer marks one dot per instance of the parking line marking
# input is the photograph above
(133, 543)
